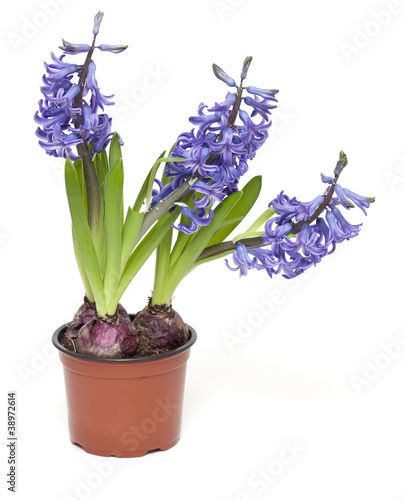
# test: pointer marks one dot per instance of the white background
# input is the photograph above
(291, 379)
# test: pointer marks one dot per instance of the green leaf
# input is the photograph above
(83, 274)
(78, 165)
(104, 160)
(113, 192)
(264, 217)
(143, 191)
(186, 261)
(248, 234)
(143, 251)
(209, 259)
(180, 244)
(151, 177)
(85, 242)
(182, 239)
(115, 152)
(130, 234)
(162, 267)
(251, 192)
(100, 170)
(100, 240)
(226, 223)
(147, 187)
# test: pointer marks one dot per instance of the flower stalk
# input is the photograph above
(90, 175)
(342, 162)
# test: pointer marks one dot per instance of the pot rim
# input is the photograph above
(178, 350)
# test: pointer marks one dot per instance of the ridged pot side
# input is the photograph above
(124, 407)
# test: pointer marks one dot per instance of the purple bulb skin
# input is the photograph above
(107, 337)
(164, 326)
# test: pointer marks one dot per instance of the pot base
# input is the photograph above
(124, 454)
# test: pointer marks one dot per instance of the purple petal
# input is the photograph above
(74, 48)
(115, 49)
(222, 75)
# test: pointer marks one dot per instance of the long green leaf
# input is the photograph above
(147, 187)
(100, 240)
(264, 217)
(185, 263)
(113, 192)
(130, 234)
(78, 165)
(100, 170)
(143, 190)
(84, 239)
(151, 177)
(248, 234)
(251, 192)
(226, 223)
(83, 274)
(104, 161)
(143, 251)
(183, 239)
(115, 152)
(209, 259)
(180, 243)
(162, 266)
(165, 180)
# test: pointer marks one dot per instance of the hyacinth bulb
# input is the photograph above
(108, 337)
(164, 326)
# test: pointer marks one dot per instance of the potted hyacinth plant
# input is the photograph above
(125, 373)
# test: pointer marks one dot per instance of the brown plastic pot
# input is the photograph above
(124, 407)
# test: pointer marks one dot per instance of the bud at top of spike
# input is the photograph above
(246, 65)
(341, 163)
(219, 73)
(97, 21)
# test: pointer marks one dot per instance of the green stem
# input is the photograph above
(162, 267)
(92, 189)
(229, 246)
(319, 210)
(180, 244)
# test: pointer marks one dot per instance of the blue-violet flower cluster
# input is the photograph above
(291, 254)
(64, 101)
(216, 152)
